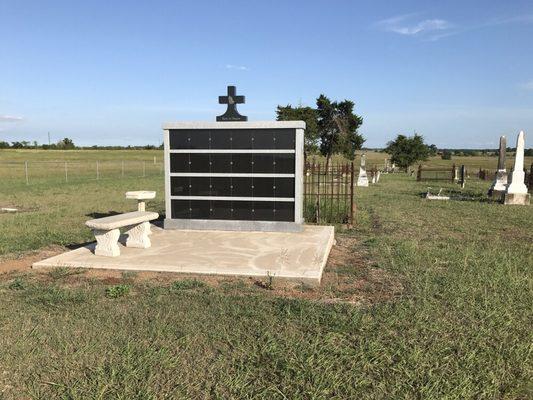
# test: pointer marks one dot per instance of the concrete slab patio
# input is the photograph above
(299, 256)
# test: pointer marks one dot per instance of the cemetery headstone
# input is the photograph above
(233, 174)
(516, 193)
(362, 179)
(499, 185)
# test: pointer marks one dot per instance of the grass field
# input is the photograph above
(420, 300)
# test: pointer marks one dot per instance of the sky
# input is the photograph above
(460, 73)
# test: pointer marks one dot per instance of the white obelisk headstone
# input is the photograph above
(516, 192)
(499, 185)
(362, 179)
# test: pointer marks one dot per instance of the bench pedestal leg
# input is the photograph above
(138, 236)
(107, 243)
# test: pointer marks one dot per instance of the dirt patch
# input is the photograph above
(25, 261)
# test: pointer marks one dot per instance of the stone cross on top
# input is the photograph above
(231, 100)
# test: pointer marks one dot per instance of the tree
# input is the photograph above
(405, 151)
(337, 128)
(307, 114)
(433, 150)
(446, 155)
(66, 144)
(4, 145)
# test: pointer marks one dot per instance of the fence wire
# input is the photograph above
(33, 172)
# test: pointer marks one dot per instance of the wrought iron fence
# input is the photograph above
(329, 193)
(437, 174)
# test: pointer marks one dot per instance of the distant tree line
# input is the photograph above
(331, 127)
(407, 150)
(480, 152)
(68, 144)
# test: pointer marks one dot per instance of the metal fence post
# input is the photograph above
(318, 195)
(26, 172)
(454, 173)
(144, 169)
(122, 169)
(154, 161)
(97, 171)
(530, 182)
(66, 172)
(351, 193)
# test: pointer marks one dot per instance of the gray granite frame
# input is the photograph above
(236, 225)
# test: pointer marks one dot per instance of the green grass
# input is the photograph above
(187, 284)
(116, 291)
(458, 327)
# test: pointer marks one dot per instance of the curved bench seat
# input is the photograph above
(106, 231)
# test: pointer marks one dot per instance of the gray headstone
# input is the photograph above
(501, 155)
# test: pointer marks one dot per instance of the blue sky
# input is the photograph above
(111, 72)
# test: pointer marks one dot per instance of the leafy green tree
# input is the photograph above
(4, 145)
(433, 150)
(66, 144)
(337, 128)
(307, 114)
(405, 151)
(17, 145)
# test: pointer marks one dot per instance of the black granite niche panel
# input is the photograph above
(258, 163)
(241, 139)
(220, 186)
(221, 210)
(179, 162)
(231, 186)
(180, 209)
(233, 210)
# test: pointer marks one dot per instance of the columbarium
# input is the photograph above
(233, 174)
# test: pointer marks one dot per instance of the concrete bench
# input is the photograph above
(107, 231)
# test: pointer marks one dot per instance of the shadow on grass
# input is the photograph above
(97, 215)
(74, 246)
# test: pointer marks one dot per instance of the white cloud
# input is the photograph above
(435, 29)
(528, 85)
(405, 25)
(423, 26)
(237, 67)
(10, 118)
